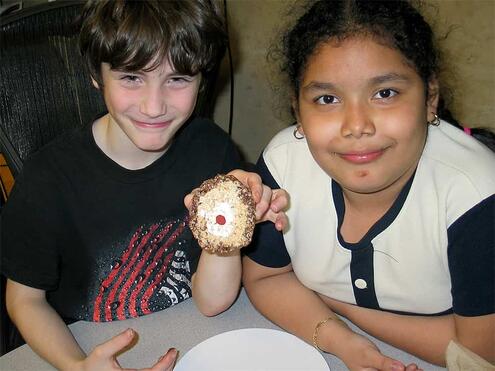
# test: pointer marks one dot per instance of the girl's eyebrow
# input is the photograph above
(389, 77)
(319, 85)
(395, 77)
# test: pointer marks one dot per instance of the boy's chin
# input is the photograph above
(155, 147)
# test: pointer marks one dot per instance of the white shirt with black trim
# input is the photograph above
(431, 253)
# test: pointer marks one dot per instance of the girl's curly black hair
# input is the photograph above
(395, 23)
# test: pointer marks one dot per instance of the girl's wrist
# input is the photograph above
(329, 333)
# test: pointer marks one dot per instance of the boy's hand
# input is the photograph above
(270, 204)
(103, 356)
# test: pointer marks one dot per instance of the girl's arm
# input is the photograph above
(47, 334)
(278, 295)
(424, 336)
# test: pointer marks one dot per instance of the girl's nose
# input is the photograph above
(357, 122)
(153, 103)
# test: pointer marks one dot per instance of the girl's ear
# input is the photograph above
(433, 97)
(295, 111)
(95, 84)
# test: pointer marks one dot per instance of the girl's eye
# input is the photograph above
(385, 93)
(327, 99)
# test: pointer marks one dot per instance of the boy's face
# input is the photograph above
(146, 108)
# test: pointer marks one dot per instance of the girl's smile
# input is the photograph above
(362, 157)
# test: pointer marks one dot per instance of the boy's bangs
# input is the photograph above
(136, 45)
(143, 42)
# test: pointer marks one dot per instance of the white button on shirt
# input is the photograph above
(360, 283)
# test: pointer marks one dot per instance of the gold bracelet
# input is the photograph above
(317, 329)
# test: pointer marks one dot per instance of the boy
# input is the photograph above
(96, 228)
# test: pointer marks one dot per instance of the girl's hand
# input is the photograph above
(360, 354)
(103, 356)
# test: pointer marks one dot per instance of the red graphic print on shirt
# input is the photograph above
(151, 274)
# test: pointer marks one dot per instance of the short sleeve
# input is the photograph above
(268, 246)
(28, 231)
(471, 257)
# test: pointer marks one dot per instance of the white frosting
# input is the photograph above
(221, 208)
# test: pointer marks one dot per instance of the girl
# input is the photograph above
(396, 231)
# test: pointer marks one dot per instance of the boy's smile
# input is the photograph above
(363, 111)
(145, 110)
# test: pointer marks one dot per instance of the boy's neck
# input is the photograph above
(119, 148)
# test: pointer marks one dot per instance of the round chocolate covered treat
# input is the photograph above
(222, 215)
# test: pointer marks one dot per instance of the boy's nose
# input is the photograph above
(153, 104)
(357, 122)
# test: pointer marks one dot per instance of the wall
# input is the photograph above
(259, 112)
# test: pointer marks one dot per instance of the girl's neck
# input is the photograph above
(363, 210)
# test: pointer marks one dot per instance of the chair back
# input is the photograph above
(45, 89)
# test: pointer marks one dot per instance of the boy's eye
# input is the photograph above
(327, 99)
(385, 93)
(130, 78)
(180, 79)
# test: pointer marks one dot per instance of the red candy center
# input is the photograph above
(220, 219)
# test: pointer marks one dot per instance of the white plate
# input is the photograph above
(253, 349)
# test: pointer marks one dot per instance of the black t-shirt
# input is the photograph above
(105, 242)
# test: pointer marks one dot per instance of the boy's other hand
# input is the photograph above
(270, 204)
(103, 356)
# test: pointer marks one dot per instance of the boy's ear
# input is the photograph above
(95, 84)
(433, 98)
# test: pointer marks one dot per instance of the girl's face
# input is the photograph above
(364, 113)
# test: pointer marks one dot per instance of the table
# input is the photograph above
(181, 326)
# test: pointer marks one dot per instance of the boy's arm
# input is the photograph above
(47, 334)
(216, 283)
(217, 280)
(41, 326)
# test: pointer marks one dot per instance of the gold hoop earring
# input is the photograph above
(435, 121)
(296, 132)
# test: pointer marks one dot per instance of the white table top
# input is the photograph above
(181, 326)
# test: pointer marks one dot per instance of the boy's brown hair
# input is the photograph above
(139, 35)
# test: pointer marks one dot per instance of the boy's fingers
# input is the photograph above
(188, 199)
(111, 347)
(263, 204)
(167, 362)
(256, 186)
(251, 180)
(279, 201)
